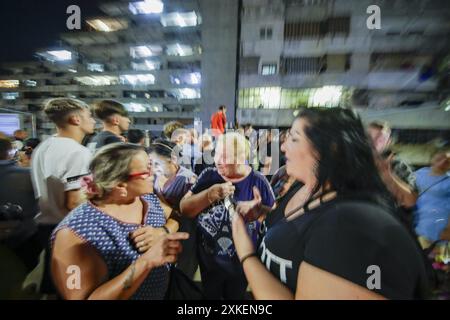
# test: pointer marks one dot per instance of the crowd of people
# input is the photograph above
(324, 210)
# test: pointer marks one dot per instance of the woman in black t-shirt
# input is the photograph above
(339, 238)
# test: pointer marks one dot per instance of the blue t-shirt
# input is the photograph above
(214, 223)
(433, 206)
(175, 189)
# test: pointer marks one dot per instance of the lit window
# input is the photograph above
(142, 107)
(146, 7)
(137, 79)
(95, 67)
(193, 78)
(186, 93)
(268, 69)
(9, 83)
(98, 80)
(144, 51)
(270, 97)
(180, 19)
(146, 65)
(56, 55)
(108, 24)
(30, 83)
(179, 50)
(328, 96)
(10, 95)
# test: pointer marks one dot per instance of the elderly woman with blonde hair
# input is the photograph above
(211, 200)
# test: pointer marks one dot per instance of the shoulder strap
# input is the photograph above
(432, 185)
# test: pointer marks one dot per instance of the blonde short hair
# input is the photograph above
(237, 144)
(111, 166)
(58, 110)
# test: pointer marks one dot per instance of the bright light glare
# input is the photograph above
(61, 55)
(328, 96)
(9, 83)
(144, 51)
(187, 93)
(137, 79)
(180, 19)
(270, 97)
(196, 78)
(179, 50)
(97, 80)
(146, 7)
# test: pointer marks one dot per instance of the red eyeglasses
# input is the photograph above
(143, 175)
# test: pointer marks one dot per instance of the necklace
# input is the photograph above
(316, 201)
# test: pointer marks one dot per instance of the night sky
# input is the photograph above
(28, 25)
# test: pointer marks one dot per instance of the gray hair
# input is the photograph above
(111, 166)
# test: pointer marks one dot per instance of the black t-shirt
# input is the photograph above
(278, 213)
(103, 138)
(346, 238)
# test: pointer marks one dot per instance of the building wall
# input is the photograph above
(219, 37)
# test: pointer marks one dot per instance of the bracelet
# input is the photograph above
(166, 229)
(253, 254)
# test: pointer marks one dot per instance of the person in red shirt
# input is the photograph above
(218, 121)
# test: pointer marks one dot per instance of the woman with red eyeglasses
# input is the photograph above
(97, 251)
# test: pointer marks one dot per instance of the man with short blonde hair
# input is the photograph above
(58, 164)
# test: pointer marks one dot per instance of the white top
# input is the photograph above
(58, 164)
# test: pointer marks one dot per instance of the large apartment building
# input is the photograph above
(165, 60)
(181, 59)
(305, 53)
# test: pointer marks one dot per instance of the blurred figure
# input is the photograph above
(397, 175)
(333, 235)
(210, 200)
(431, 215)
(27, 151)
(182, 138)
(207, 154)
(19, 138)
(17, 190)
(268, 158)
(170, 128)
(136, 136)
(195, 147)
(115, 120)
(252, 136)
(285, 188)
(104, 237)
(219, 121)
(282, 139)
(172, 182)
(58, 164)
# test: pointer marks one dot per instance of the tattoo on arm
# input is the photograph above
(127, 284)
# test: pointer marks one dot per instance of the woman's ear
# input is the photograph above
(121, 189)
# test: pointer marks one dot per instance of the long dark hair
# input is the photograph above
(345, 158)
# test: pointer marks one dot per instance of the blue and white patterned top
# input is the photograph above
(111, 238)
